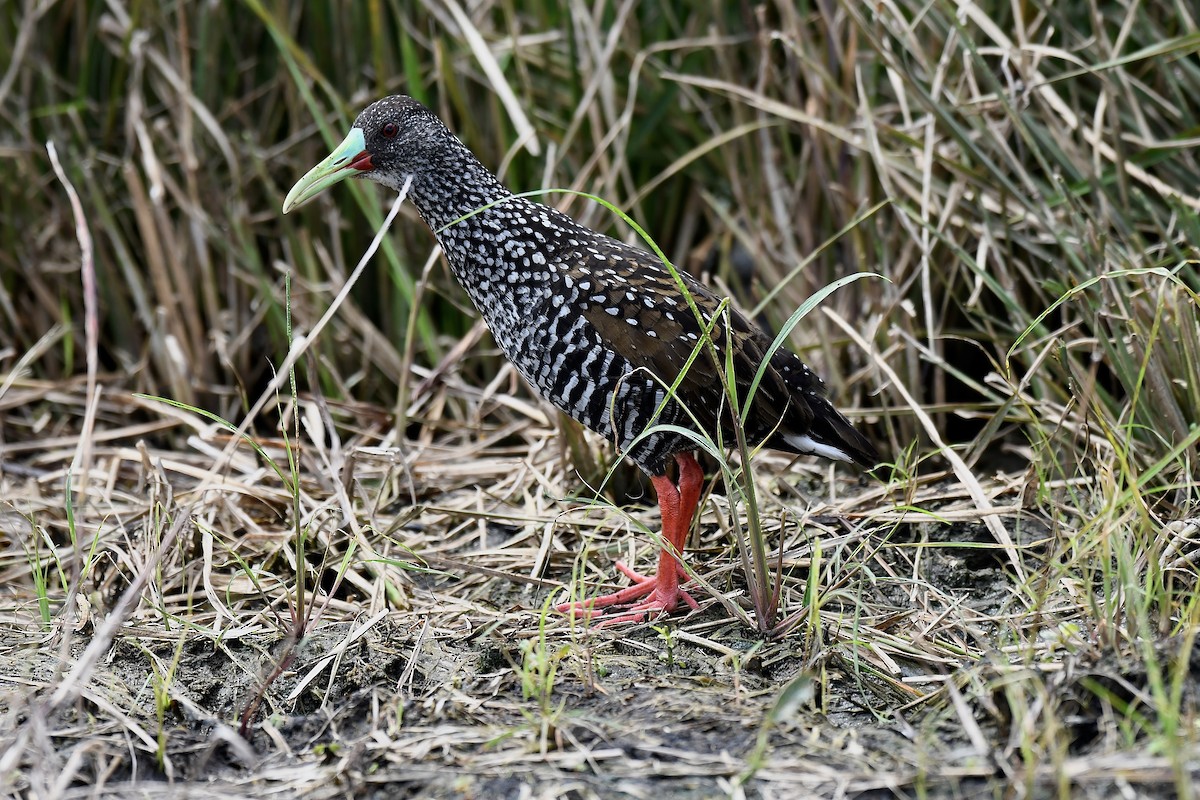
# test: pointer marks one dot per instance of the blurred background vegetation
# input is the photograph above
(1023, 174)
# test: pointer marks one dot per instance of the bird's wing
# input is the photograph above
(637, 307)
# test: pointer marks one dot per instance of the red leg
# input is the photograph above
(691, 480)
(661, 591)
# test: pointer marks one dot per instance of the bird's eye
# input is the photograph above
(390, 129)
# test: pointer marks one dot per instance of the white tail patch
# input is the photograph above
(807, 444)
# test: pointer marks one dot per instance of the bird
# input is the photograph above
(600, 328)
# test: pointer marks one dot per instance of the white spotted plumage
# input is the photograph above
(579, 314)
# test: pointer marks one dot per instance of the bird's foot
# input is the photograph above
(658, 603)
(661, 597)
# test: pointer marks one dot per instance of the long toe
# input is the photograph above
(639, 589)
(638, 577)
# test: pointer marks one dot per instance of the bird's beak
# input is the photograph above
(348, 159)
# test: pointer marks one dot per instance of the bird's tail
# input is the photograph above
(831, 435)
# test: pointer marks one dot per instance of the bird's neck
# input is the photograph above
(456, 186)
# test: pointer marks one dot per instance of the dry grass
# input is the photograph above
(425, 644)
(342, 589)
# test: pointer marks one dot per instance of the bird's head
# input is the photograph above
(392, 139)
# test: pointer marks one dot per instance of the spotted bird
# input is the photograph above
(600, 328)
